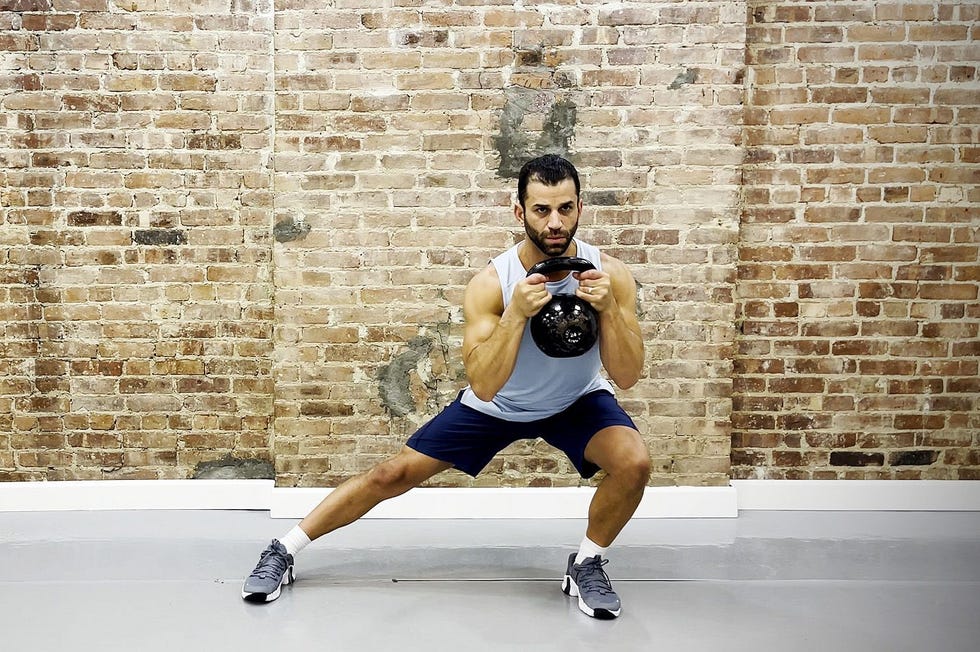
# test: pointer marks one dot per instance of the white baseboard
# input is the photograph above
(570, 502)
(558, 502)
(134, 494)
(859, 495)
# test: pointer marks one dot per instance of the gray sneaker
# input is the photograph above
(274, 569)
(590, 584)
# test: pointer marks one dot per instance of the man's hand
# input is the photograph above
(595, 288)
(530, 295)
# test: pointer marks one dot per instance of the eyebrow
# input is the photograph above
(545, 205)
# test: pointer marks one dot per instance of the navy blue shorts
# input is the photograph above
(469, 439)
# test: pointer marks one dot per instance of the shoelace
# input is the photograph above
(272, 564)
(592, 577)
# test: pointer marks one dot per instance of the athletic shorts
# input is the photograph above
(469, 439)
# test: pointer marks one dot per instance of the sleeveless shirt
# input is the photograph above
(540, 386)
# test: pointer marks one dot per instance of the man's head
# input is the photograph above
(548, 203)
(549, 170)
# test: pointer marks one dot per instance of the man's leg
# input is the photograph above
(342, 506)
(621, 453)
(358, 495)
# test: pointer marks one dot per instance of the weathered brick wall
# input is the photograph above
(135, 269)
(213, 210)
(858, 271)
(237, 233)
(398, 136)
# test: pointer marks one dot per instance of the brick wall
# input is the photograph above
(213, 211)
(858, 271)
(234, 236)
(135, 269)
(398, 135)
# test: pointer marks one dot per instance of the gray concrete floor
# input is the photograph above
(147, 581)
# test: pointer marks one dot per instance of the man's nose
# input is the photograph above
(554, 220)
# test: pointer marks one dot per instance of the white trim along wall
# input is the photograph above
(572, 502)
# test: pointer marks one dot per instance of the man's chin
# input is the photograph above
(555, 250)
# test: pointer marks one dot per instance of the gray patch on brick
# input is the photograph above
(288, 229)
(601, 198)
(559, 128)
(233, 468)
(514, 144)
(159, 237)
(689, 76)
(565, 79)
(394, 386)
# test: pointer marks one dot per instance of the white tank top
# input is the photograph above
(540, 386)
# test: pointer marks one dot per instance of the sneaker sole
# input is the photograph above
(288, 578)
(569, 588)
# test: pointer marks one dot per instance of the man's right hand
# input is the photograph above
(530, 295)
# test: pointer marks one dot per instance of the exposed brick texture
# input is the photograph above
(857, 293)
(397, 135)
(136, 253)
(241, 231)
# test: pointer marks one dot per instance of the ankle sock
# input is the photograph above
(295, 540)
(589, 549)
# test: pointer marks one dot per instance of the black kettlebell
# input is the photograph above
(566, 326)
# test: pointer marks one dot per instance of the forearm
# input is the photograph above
(490, 363)
(620, 348)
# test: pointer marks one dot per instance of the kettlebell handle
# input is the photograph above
(561, 264)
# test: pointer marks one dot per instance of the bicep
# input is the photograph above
(624, 289)
(482, 307)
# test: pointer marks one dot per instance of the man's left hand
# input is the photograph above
(595, 288)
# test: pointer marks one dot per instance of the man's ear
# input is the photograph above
(519, 213)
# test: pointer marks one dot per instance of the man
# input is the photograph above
(516, 392)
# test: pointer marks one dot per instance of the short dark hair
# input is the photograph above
(550, 170)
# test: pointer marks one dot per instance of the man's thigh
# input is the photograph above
(466, 438)
(573, 430)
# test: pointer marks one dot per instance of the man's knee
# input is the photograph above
(402, 472)
(632, 464)
(636, 466)
(391, 476)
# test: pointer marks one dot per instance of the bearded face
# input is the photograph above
(550, 215)
(552, 242)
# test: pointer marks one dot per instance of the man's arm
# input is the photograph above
(492, 334)
(612, 293)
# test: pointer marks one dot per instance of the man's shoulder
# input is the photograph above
(609, 261)
(618, 271)
(483, 292)
(486, 279)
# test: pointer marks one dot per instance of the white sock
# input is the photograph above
(295, 540)
(589, 549)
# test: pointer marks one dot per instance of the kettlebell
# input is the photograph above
(566, 326)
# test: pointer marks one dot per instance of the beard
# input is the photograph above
(553, 248)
